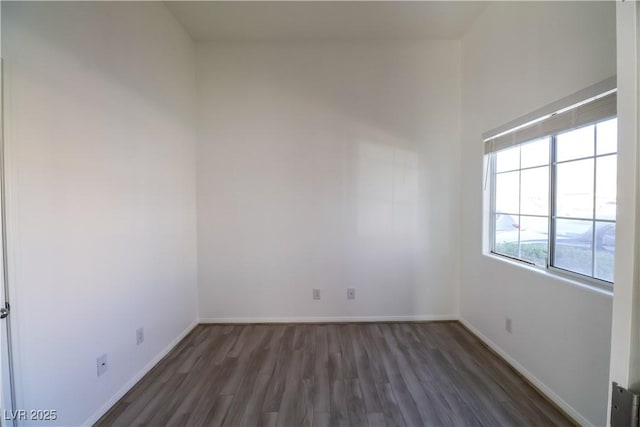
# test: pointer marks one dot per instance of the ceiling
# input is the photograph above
(325, 20)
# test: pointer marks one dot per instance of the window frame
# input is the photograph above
(551, 216)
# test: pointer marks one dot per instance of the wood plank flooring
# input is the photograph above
(372, 374)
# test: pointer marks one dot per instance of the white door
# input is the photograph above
(8, 413)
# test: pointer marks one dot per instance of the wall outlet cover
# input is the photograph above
(102, 364)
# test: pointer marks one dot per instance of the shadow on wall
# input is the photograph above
(109, 34)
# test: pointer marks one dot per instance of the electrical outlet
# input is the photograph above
(102, 364)
(507, 324)
(139, 336)
(351, 293)
(316, 294)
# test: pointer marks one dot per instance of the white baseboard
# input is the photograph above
(329, 319)
(530, 377)
(153, 362)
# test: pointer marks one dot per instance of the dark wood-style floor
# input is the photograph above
(376, 374)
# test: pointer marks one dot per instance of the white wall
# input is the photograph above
(100, 112)
(328, 165)
(518, 57)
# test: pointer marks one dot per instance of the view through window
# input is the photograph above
(554, 200)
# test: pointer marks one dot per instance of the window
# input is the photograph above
(521, 208)
(553, 191)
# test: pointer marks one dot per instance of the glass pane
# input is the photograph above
(606, 179)
(507, 192)
(507, 229)
(534, 237)
(535, 153)
(573, 245)
(508, 160)
(605, 250)
(534, 199)
(575, 144)
(574, 184)
(607, 136)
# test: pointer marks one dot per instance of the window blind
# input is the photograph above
(558, 118)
